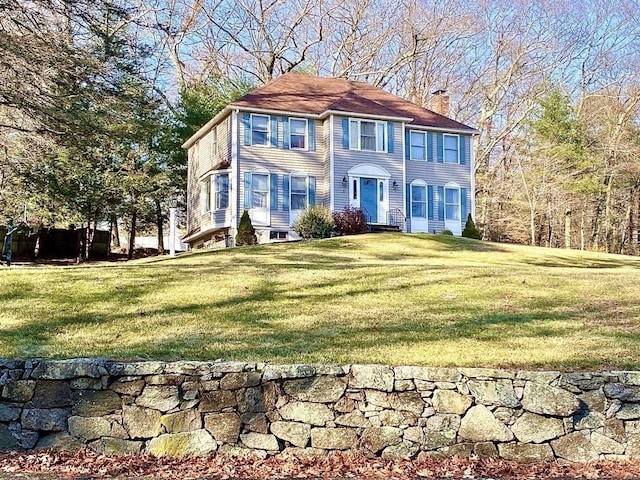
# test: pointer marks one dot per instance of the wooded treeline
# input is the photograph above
(100, 95)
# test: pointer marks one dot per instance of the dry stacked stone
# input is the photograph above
(195, 408)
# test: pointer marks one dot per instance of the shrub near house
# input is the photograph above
(314, 222)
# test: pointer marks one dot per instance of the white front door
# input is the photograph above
(371, 195)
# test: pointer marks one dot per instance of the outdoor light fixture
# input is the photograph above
(345, 182)
(394, 185)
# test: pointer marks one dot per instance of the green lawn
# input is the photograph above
(396, 299)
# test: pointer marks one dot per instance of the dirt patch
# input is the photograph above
(85, 464)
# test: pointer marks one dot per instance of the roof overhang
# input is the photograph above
(194, 237)
(207, 126)
(469, 131)
(287, 113)
(229, 108)
(364, 115)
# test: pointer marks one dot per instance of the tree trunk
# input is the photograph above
(132, 233)
(550, 225)
(532, 224)
(582, 242)
(160, 222)
(115, 232)
(567, 229)
(81, 239)
(597, 222)
(624, 228)
(89, 236)
(632, 227)
(607, 217)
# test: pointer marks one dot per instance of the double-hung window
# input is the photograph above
(451, 149)
(452, 203)
(206, 195)
(419, 201)
(299, 191)
(418, 145)
(259, 129)
(298, 132)
(215, 192)
(222, 191)
(260, 190)
(367, 135)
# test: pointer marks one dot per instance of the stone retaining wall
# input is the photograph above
(194, 408)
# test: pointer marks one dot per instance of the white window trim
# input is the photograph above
(215, 191)
(261, 171)
(267, 143)
(452, 186)
(358, 121)
(298, 175)
(206, 206)
(444, 148)
(306, 133)
(423, 184)
(426, 153)
(260, 216)
(210, 180)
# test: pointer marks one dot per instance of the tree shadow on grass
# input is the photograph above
(564, 261)
(318, 343)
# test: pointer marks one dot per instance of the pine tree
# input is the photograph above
(246, 233)
(470, 229)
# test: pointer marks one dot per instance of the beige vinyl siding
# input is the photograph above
(345, 159)
(193, 190)
(202, 158)
(224, 138)
(282, 162)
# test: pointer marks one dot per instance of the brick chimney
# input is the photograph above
(440, 102)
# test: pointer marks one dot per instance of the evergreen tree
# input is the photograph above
(246, 233)
(470, 230)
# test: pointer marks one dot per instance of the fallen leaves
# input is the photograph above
(88, 464)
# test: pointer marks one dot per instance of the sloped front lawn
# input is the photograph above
(394, 299)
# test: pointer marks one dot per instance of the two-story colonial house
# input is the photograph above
(302, 140)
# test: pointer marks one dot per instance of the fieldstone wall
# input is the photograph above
(194, 408)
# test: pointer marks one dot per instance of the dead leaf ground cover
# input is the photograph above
(86, 465)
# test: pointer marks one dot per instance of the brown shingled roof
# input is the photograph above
(306, 94)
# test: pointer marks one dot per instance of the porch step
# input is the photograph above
(383, 228)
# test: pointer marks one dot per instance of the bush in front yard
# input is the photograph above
(470, 229)
(350, 221)
(314, 222)
(246, 233)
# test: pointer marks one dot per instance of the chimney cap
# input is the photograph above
(440, 91)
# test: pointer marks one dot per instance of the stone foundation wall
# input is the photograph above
(194, 408)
